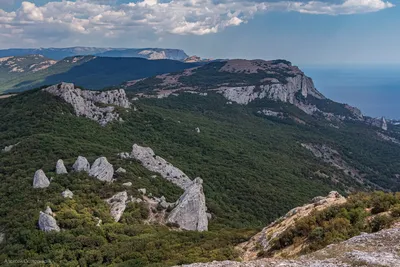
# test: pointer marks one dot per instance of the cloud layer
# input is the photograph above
(63, 20)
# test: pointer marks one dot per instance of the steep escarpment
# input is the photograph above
(88, 103)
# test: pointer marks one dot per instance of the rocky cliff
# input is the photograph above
(97, 106)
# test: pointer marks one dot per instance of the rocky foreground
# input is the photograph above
(377, 249)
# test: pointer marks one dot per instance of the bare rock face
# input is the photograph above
(102, 170)
(85, 102)
(117, 205)
(60, 167)
(377, 122)
(40, 180)
(67, 194)
(81, 164)
(157, 164)
(190, 212)
(47, 222)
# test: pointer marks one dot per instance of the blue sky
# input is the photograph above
(304, 32)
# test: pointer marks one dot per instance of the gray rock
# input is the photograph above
(99, 221)
(9, 148)
(67, 194)
(40, 180)
(86, 103)
(197, 130)
(47, 223)
(121, 170)
(102, 170)
(159, 165)
(190, 211)
(81, 164)
(127, 184)
(118, 205)
(60, 167)
(48, 211)
(142, 191)
(124, 155)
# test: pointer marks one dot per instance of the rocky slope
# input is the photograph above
(97, 106)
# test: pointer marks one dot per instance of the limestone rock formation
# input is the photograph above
(377, 122)
(117, 205)
(128, 184)
(264, 239)
(85, 102)
(60, 167)
(197, 130)
(190, 211)
(124, 155)
(142, 191)
(81, 164)
(67, 194)
(121, 170)
(47, 222)
(8, 148)
(102, 170)
(40, 180)
(157, 164)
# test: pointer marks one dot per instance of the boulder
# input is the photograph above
(40, 180)
(197, 130)
(47, 222)
(67, 194)
(117, 205)
(159, 165)
(190, 211)
(102, 170)
(60, 167)
(127, 184)
(121, 170)
(81, 164)
(124, 155)
(48, 211)
(142, 191)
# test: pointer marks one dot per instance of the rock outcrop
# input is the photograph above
(67, 194)
(86, 103)
(159, 165)
(190, 211)
(47, 222)
(81, 165)
(264, 239)
(121, 170)
(102, 170)
(118, 205)
(60, 167)
(40, 180)
(8, 148)
(128, 184)
(377, 122)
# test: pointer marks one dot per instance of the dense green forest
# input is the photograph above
(254, 170)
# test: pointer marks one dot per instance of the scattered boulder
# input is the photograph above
(60, 167)
(47, 222)
(190, 211)
(121, 170)
(159, 165)
(118, 205)
(81, 164)
(127, 184)
(124, 155)
(197, 130)
(102, 170)
(67, 194)
(8, 148)
(142, 191)
(40, 180)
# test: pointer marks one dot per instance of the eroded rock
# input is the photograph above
(127, 184)
(121, 170)
(67, 194)
(81, 164)
(190, 211)
(102, 170)
(47, 222)
(60, 167)
(157, 164)
(40, 180)
(118, 205)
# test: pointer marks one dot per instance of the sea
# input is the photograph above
(373, 89)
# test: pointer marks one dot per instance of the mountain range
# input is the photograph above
(176, 163)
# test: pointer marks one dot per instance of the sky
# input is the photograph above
(305, 32)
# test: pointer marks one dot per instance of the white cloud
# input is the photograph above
(67, 19)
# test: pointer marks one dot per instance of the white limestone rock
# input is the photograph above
(40, 180)
(60, 167)
(197, 130)
(121, 170)
(67, 194)
(102, 170)
(85, 102)
(81, 164)
(128, 184)
(124, 155)
(47, 222)
(8, 148)
(142, 191)
(191, 213)
(118, 205)
(159, 165)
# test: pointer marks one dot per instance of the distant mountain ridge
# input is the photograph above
(60, 53)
